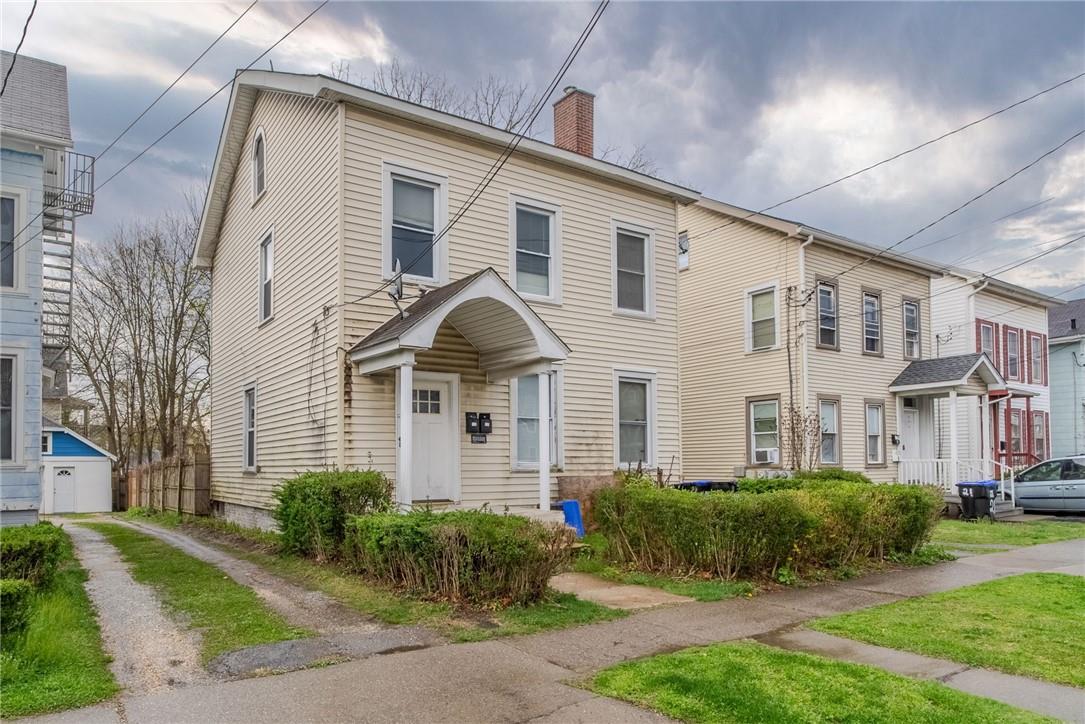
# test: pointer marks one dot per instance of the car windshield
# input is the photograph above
(1049, 470)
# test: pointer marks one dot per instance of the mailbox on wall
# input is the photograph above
(471, 425)
(485, 424)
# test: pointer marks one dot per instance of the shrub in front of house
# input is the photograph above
(463, 556)
(801, 479)
(31, 552)
(832, 474)
(16, 596)
(753, 535)
(313, 508)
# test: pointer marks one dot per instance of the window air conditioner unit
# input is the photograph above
(766, 455)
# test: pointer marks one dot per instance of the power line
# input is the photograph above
(496, 167)
(980, 226)
(15, 55)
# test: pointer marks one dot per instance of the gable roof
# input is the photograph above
(1006, 289)
(946, 371)
(48, 425)
(1059, 320)
(36, 100)
(249, 83)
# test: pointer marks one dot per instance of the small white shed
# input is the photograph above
(76, 474)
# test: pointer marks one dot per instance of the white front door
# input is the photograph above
(64, 490)
(909, 435)
(433, 459)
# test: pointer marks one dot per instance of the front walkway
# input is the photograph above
(524, 679)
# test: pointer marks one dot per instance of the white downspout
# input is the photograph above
(804, 375)
(971, 303)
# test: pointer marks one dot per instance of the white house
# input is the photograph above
(76, 473)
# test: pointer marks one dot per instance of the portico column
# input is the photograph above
(986, 446)
(404, 432)
(953, 451)
(544, 440)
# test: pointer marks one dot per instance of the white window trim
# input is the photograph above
(649, 268)
(557, 403)
(683, 257)
(21, 240)
(881, 434)
(832, 287)
(837, 419)
(18, 402)
(554, 210)
(637, 375)
(269, 237)
(439, 181)
(47, 438)
(255, 467)
(774, 285)
(751, 443)
(259, 135)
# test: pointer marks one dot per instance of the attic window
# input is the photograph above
(259, 154)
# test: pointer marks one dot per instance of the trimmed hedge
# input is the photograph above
(832, 474)
(800, 479)
(463, 556)
(16, 596)
(313, 508)
(754, 535)
(31, 552)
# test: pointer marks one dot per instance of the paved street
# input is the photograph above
(534, 677)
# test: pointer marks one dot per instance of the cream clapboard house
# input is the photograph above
(787, 327)
(546, 319)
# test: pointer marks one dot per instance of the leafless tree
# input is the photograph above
(639, 160)
(140, 322)
(802, 430)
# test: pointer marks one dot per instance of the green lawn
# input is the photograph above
(958, 532)
(559, 610)
(749, 682)
(57, 662)
(230, 616)
(1032, 624)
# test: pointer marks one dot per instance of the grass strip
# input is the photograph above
(57, 662)
(951, 532)
(1031, 624)
(750, 682)
(229, 616)
(700, 589)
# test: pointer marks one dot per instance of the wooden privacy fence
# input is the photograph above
(181, 485)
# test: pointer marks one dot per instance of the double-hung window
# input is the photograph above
(267, 270)
(249, 430)
(1039, 435)
(1013, 354)
(827, 316)
(414, 216)
(7, 242)
(635, 418)
(536, 249)
(1036, 359)
(525, 411)
(829, 412)
(912, 344)
(761, 318)
(259, 164)
(872, 323)
(1017, 441)
(764, 431)
(875, 433)
(8, 421)
(987, 341)
(683, 251)
(632, 270)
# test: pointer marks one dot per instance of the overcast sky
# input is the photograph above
(748, 102)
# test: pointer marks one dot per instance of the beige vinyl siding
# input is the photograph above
(849, 373)
(600, 340)
(294, 369)
(718, 374)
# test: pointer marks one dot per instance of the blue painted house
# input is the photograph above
(1066, 360)
(43, 187)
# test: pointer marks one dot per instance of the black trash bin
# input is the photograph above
(977, 499)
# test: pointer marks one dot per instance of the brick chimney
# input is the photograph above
(574, 121)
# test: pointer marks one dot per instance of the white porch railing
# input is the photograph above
(947, 473)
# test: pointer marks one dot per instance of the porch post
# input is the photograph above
(985, 432)
(544, 440)
(953, 451)
(404, 431)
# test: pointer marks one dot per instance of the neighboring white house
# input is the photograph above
(1066, 351)
(76, 473)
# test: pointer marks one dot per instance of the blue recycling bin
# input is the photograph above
(977, 499)
(573, 519)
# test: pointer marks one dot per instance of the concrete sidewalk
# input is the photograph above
(521, 679)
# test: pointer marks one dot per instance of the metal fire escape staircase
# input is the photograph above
(68, 194)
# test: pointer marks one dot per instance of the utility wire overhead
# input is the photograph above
(980, 226)
(15, 55)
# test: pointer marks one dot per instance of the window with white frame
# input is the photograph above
(249, 429)
(764, 427)
(912, 345)
(1039, 435)
(634, 419)
(875, 433)
(267, 271)
(47, 443)
(1036, 359)
(414, 216)
(536, 241)
(827, 316)
(8, 419)
(829, 412)
(761, 318)
(631, 271)
(872, 323)
(259, 163)
(1017, 441)
(1013, 354)
(987, 341)
(683, 250)
(7, 242)
(525, 411)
